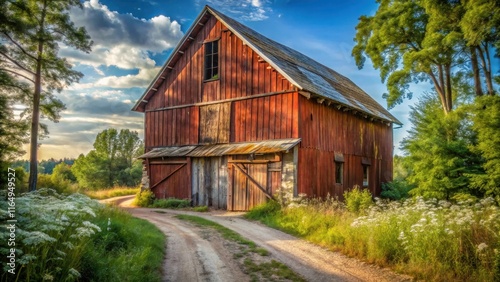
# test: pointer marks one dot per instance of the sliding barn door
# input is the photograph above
(171, 179)
(252, 184)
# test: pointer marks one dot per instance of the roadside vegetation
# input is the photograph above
(74, 238)
(113, 192)
(258, 270)
(429, 239)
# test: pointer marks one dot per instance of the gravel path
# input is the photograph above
(197, 259)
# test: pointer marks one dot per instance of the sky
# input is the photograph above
(133, 39)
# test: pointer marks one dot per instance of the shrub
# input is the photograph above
(201, 209)
(113, 192)
(171, 203)
(263, 210)
(396, 190)
(358, 200)
(144, 198)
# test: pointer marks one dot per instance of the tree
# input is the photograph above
(111, 162)
(31, 32)
(487, 125)
(438, 150)
(428, 40)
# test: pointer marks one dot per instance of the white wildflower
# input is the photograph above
(48, 277)
(73, 272)
(481, 247)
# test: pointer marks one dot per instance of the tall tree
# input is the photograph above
(31, 32)
(438, 149)
(428, 40)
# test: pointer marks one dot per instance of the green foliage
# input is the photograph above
(358, 200)
(429, 40)
(396, 190)
(487, 125)
(111, 163)
(62, 172)
(200, 209)
(144, 198)
(52, 231)
(126, 249)
(430, 240)
(438, 149)
(61, 186)
(113, 192)
(171, 203)
(263, 210)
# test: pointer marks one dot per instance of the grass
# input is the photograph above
(170, 203)
(127, 249)
(273, 270)
(430, 240)
(110, 193)
(200, 209)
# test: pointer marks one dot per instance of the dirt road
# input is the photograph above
(191, 257)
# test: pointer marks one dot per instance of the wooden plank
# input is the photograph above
(230, 187)
(295, 118)
(168, 176)
(253, 181)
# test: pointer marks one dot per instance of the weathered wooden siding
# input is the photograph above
(209, 182)
(272, 117)
(171, 127)
(242, 72)
(325, 130)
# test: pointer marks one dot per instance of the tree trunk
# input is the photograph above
(35, 121)
(448, 89)
(35, 118)
(475, 71)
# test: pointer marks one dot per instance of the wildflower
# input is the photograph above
(48, 277)
(481, 247)
(109, 224)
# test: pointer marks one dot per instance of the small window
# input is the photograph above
(212, 60)
(366, 175)
(339, 172)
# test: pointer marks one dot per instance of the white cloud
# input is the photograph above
(249, 10)
(142, 79)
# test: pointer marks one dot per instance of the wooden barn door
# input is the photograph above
(171, 179)
(251, 184)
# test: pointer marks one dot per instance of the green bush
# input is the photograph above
(144, 198)
(201, 209)
(171, 203)
(396, 190)
(61, 186)
(263, 210)
(358, 200)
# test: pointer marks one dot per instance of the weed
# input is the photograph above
(171, 203)
(358, 200)
(110, 193)
(144, 198)
(200, 209)
(429, 239)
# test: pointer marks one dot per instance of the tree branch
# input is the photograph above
(19, 46)
(16, 73)
(16, 63)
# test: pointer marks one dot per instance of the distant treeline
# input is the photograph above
(44, 166)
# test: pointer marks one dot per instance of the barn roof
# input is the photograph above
(305, 73)
(217, 150)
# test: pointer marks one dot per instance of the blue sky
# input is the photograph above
(133, 39)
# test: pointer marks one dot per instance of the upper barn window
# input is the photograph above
(212, 60)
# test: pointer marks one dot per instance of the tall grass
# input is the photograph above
(67, 238)
(113, 192)
(430, 240)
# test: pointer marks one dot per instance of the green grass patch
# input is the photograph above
(171, 203)
(200, 209)
(127, 249)
(430, 240)
(110, 193)
(271, 270)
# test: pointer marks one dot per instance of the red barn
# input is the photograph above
(233, 117)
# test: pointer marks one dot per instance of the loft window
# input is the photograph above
(212, 60)
(366, 175)
(339, 172)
